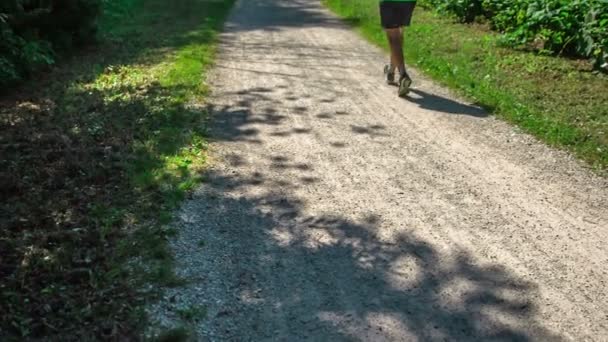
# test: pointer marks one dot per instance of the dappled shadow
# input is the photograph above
(438, 103)
(282, 271)
(67, 182)
(82, 161)
(237, 120)
(327, 277)
(288, 273)
(371, 130)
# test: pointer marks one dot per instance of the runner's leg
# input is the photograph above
(395, 40)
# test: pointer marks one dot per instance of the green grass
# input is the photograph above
(561, 101)
(95, 158)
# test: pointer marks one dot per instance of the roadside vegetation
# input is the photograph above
(34, 34)
(561, 27)
(95, 155)
(563, 101)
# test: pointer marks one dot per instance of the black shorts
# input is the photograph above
(395, 14)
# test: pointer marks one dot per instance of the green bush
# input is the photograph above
(34, 32)
(571, 27)
(464, 10)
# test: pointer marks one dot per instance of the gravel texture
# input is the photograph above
(335, 211)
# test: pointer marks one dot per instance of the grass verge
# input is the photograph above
(94, 157)
(560, 101)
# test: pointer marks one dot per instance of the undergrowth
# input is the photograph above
(94, 158)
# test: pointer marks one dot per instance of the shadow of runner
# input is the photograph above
(441, 104)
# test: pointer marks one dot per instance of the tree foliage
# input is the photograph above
(571, 27)
(33, 33)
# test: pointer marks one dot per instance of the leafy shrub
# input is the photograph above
(464, 10)
(572, 27)
(34, 32)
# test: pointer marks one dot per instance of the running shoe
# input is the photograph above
(404, 84)
(389, 74)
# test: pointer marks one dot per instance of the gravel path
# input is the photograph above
(335, 211)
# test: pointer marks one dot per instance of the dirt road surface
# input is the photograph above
(335, 211)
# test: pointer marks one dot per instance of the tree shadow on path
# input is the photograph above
(294, 276)
(277, 270)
